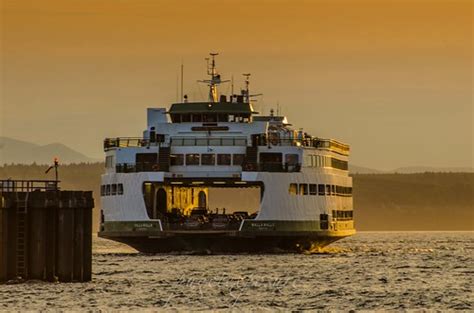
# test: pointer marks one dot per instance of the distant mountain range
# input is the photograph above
(22, 152)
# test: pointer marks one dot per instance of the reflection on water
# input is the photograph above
(392, 270)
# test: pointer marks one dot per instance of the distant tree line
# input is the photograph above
(423, 201)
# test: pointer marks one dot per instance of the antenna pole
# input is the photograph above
(247, 90)
(56, 174)
(182, 79)
(215, 78)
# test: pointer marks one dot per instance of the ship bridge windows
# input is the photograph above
(211, 117)
(185, 118)
(222, 117)
(196, 118)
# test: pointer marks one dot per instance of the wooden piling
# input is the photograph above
(3, 240)
(52, 240)
(87, 244)
(37, 244)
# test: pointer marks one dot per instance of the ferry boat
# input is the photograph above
(155, 189)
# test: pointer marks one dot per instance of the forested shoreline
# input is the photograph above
(421, 201)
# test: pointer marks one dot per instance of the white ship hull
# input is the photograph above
(155, 191)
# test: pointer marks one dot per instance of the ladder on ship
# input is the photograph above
(164, 159)
(251, 157)
(22, 229)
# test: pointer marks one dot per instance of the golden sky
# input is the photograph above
(391, 78)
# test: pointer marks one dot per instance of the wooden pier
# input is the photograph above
(45, 232)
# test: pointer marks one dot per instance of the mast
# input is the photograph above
(215, 78)
(182, 81)
(246, 91)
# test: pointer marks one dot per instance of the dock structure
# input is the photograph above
(45, 232)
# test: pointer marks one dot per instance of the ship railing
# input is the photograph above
(207, 141)
(124, 142)
(11, 185)
(327, 144)
(246, 167)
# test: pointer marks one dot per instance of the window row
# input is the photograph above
(111, 190)
(320, 189)
(209, 117)
(206, 159)
(223, 141)
(325, 161)
(342, 215)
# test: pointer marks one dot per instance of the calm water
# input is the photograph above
(412, 270)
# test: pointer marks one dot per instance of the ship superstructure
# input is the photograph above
(155, 190)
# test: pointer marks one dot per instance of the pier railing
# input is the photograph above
(11, 185)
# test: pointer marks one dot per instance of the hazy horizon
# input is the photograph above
(394, 80)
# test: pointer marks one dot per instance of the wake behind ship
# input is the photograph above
(155, 190)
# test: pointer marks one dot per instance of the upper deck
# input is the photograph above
(137, 142)
(213, 132)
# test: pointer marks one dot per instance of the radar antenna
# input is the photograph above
(215, 78)
(246, 92)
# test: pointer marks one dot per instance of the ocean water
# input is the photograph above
(369, 271)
